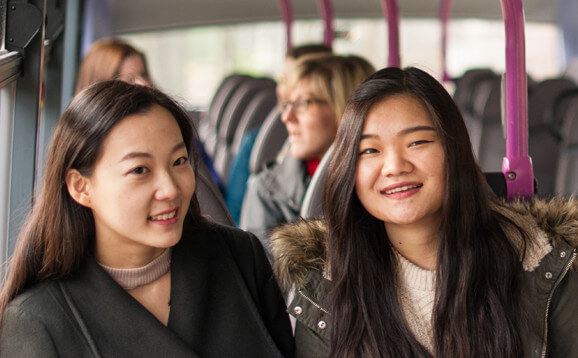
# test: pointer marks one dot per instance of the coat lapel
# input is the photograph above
(119, 325)
(210, 300)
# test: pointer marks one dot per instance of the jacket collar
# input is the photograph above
(128, 321)
(301, 246)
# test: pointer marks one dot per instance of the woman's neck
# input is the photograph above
(418, 244)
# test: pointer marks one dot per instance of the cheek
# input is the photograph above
(361, 182)
(188, 184)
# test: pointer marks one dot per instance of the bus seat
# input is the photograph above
(492, 145)
(210, 198)
(254, 117)
(209, 126)
(567, 171)
(544, 136)
(269, 142)
(255, 113)
(234, 111)
(312, 205)
(464, 95)
(486, 109)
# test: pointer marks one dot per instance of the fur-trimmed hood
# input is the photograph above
(302, 246)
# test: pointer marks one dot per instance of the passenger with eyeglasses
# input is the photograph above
(314, 97)
(240, 170)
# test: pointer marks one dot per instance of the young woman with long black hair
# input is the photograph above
(116, 260)
(417, 257)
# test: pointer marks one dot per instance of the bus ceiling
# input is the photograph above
(129, 16)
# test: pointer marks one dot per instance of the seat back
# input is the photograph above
(254, 114)
(210, 198)
(312, 205)
(566, 113)
(269, 142)
(209, 127)
(544, 136)
(465, 94)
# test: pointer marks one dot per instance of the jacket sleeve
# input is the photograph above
(260, 214)
(24, 336)
(563, 322)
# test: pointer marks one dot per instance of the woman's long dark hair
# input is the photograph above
(477, 309)
(59, 232)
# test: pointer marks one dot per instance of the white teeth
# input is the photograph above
(164, 216)
(402, 188)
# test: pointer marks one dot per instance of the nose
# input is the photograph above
(288, 114)
(167, 187)
(395, 163)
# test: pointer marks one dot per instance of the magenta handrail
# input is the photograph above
(444, 14)
(391, 14)
(517, 165)
(287, 14)
(326, 9)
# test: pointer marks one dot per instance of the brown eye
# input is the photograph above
(139, 170)
(181, 161)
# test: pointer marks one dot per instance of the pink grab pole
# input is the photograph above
(326, 9)
(391, 14)
(517, 165)
(445, 13)
(287, 14)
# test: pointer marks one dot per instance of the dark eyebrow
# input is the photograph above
(415, 129)
(368, 136)
(133, 155)
(401, 133)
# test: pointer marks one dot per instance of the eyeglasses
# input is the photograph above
(299, 106)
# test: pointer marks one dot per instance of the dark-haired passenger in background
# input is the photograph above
(417, 257)
(112, 58)
(116, 260)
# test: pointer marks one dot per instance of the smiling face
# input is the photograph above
(401, 174)
(312, 129)
(139, 190)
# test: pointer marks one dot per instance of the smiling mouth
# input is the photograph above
(165, 216)
(401, 188)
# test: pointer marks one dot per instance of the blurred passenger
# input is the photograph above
(112, 58)
(316, 92)
(292, 56)
(116, 260)
(240, 171)
(416, 256)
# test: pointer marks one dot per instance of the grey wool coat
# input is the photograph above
(224, 303)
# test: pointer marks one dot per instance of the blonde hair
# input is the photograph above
(102, 62)
(332, 78)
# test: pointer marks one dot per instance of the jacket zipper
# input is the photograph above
(564, 272)
(311, 301)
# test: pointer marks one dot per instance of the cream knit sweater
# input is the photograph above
(417, 286)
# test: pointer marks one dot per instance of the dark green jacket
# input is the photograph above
(551, 285)
(224, 303)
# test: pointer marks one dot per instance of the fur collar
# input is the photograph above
(301, 246)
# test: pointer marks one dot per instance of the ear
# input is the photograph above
(78, 186)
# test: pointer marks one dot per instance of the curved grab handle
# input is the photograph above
(287, 14)
(517, 165)
(445, 14)
(391, 14)
(326, 9)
